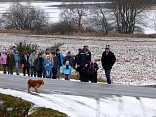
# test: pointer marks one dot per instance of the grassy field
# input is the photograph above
(16, 107)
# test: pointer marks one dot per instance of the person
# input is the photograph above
(60, 57)
(10, 62)
(83, 63)
(67, 70)
(48, 66)
(17, 58)
(76, 58)
(71, 61)
(93, 69)
(3, 60)
(108, 60)
(47, 52)
(25, 64)
(39, 65)
(55, 65)
(32, 59)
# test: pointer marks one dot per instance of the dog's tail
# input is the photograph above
(29, 82)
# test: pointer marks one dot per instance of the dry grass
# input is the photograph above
(95, 34)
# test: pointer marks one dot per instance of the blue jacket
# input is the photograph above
(47, 68)
(16, 55)
(66, 71)
(61, 57)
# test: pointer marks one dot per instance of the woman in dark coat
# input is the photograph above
(93, 71)
(39, 65)
(10, 62)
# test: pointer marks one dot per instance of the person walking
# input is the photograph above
(48, 66)
(3, 60)
(93, 69)
(60, 57)
(32, 59)
(71, 61)
(83, 63)
(25, 64)
(39, 65)
(108, 60)
(47, 52)
(55, 65)
(10, 62)
(67, 70)
(17, 58)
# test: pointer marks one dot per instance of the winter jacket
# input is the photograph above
(93, 66)
(50, 66)
(39, 65)
(25, 62)
(67, 71)
(108, 60)
(55, 62)
(76, 60)
(61, 58)
(44, 56)
(16, 55)
(10, 61)
(32, 59)
(3, 59)
(70, 59)
(84, 58)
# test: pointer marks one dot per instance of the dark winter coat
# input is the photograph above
(70, 59)
(93, 72)
(108, 60)
(76, 60)
(84, 58)
(93, 67)
(10, 61)
(25, 62)
(39, 65)
(55, 62)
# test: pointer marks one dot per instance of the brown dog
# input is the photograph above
(35, 84)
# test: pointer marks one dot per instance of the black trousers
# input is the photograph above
(24, 71)
(54, 73)
(39, 73)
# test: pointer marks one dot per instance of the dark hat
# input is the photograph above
(47, 49)
(57, 50)
(40, 54)
(53, 53)
(69, 52)
(14, 47)
(107, 47)
(80, 49)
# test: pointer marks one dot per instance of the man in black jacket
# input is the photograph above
(83, 63)
(25, 64)
(108, 59)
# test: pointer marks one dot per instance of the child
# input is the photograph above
(67, 70)
(93, 69)
(3, 60)
(48, 66)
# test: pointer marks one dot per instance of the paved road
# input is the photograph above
(76, 88)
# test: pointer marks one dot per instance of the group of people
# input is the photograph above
(48, 64)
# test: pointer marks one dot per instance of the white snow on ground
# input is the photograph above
(77, 106)
(136, 57)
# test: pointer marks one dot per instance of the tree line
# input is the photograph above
(120, 16)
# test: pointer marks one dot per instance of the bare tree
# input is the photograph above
(75, 12)
(126, 12)
(24, 17)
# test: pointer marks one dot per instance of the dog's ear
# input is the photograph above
(42, 82)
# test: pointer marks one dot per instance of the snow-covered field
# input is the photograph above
(77, 106)
(136, 57)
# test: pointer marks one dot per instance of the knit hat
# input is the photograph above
(107, 47)
(47, 56)
(69, 52)
(47, 49)
(67, 62)
(57, 50)
(53, 53)
(14, 47)
(85, 45)
(79, 49)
